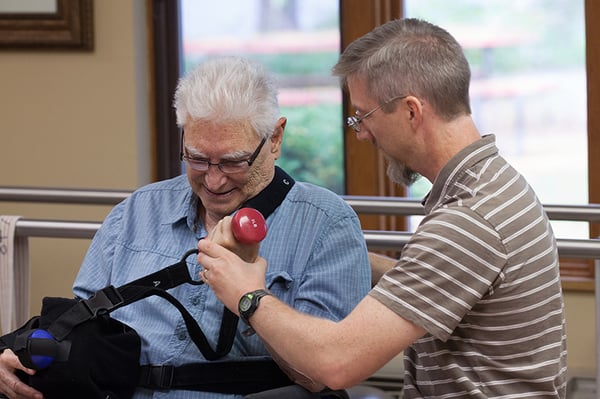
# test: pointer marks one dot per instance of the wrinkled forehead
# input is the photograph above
(209, 137)
(219, 131)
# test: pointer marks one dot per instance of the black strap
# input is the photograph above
(273, 195)
(233, 377)
(226, 334)
(110, 298)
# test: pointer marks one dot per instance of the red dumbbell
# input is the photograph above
(248, 226)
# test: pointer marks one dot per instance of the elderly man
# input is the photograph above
(233, 133)
(475, 299)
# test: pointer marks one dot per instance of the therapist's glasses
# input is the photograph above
(355, 120)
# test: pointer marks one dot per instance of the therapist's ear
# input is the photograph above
(415, 109)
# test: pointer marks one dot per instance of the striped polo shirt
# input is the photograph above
(481, 276)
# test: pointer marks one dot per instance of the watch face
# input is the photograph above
(245, 303)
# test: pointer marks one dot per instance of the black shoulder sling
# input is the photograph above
(80, 351)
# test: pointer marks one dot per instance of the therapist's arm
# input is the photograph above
(337, 354)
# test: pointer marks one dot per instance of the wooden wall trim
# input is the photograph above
(592, 13)
(364, 165)
(167, 70)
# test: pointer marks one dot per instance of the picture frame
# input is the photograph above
(69, 27)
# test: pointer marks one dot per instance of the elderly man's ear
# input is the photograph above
(277, 137)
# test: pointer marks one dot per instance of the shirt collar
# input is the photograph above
(464, 159)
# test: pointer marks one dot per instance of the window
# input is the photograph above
(364, 167)
(527, 58)
(299, 41)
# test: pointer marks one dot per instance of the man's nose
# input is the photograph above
(214, 177)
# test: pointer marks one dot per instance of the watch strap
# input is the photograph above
(254, 297)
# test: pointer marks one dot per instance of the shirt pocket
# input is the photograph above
(280, 283)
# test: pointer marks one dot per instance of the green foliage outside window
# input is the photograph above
(313, 149)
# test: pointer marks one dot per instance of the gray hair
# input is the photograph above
(229, 89)
(410, 57)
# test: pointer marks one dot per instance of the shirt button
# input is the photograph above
(195, 301)
(182, 336)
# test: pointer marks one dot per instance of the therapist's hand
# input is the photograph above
(223, 235)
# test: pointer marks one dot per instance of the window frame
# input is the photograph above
(364, 165)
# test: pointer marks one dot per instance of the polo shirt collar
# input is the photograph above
(466, 158)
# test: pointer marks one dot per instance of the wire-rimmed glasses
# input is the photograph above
(355, 120)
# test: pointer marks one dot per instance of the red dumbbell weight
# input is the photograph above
(248, 226)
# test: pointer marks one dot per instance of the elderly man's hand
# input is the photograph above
(10, 384)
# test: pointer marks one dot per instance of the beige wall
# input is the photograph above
(581, 345)
(82, 120)
(76, 120)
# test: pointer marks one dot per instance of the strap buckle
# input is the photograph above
(106, 299)
(158, 377)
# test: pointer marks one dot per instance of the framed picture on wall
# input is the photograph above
(47, 24)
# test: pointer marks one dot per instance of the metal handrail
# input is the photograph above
(375, 239)
(55, 228)
(394, 240)
(63, 195)
(385, 240)
(361, 204)
(413, 206)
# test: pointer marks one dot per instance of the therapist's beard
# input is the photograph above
(400, 173)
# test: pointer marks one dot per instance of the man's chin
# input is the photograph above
(223, 204)
(401, 174)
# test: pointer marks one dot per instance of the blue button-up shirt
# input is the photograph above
(316, 252)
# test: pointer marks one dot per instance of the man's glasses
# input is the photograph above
(228, 167)
(355, 120)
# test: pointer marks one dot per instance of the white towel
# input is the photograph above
(14, 276)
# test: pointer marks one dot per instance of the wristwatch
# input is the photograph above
(249, 303)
